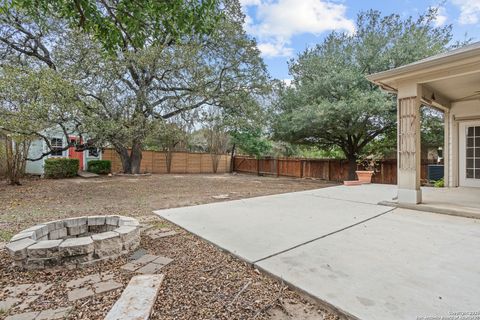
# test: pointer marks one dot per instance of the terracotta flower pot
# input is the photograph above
(365, 176)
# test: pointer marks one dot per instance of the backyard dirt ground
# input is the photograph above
(202, 282)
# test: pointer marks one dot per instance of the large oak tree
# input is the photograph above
(136, 74)
(331, 104)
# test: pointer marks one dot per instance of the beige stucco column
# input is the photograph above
(446, 149)
(409, 153)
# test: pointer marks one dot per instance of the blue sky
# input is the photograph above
(284, 28)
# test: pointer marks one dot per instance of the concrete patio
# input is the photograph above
(339, 246)
(461, 201)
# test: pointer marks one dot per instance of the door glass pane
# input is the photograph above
(470, 142)
(477, 131)
(477, 152)
(470, 153)
(470, 132)
(469, 163)
(477, 174)
(477, 163)
(469, 173)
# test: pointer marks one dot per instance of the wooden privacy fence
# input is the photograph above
(325, 169)
(182, 162)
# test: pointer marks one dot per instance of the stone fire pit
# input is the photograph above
(74, 242)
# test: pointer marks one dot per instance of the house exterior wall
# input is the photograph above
(460, 112)
(87, 157)
(39, 146)
(35, 167)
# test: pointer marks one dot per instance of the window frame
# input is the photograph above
(55, 145)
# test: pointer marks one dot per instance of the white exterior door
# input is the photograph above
(469, 154)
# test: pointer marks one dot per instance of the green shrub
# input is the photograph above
(99, 166)
(439, 183)
(57, 168)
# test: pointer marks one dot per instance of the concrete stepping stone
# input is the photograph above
(154, 266)
(106, 286)
(24, 316)
(54, 314)
(80, 293)
(137, 254)
(26, 302)
(17, 290)
(137, 300)
(22, 295)
(9, 302)
(162, 260)
(147, 264)
(39, 288)
(87, 175)
(80, 282)
(138, 263)
(158, 234)
(50, 314)
(150, 268)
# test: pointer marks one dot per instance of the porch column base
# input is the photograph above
(409, 196)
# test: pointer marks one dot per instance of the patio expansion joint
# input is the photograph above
(322, 237)
(340, 199)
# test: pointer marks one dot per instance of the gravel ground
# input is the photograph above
(202, 282)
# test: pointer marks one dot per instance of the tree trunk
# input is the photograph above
(11, 175)
(136, 157)
(352, 167)
(232, 157)
(215, 161)
(132, 160)
(16, 154)
(124, 158)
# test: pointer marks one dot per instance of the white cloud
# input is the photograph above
(250, 2)
(441, 17)
(469, 11)
(274, 49)
(277, 21)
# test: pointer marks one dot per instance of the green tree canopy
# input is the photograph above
(125, 23)
(331, 104)
(145, 78)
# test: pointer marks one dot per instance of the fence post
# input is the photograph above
(301, 168)
(258, 166)
(382, 172)
(328, 171)
(277, 164)
(153, 160)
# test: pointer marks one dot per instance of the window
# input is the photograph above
(473, 153)
(93, 152)
(57, 146)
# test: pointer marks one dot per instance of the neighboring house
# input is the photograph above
(449, 82)
(58, 140)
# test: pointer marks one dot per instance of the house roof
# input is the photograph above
(468, 51)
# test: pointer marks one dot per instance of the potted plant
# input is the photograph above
(369, 165)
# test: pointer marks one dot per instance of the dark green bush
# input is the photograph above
(57, 168)
(99, 166)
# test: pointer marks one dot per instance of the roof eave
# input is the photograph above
(391, 75)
